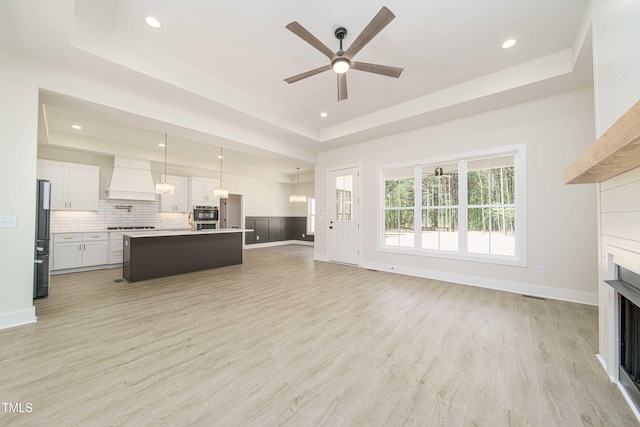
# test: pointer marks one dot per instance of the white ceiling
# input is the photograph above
(230, 57)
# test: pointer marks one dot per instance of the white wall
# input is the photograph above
(18, 124)
(561, 220)
(616, 40)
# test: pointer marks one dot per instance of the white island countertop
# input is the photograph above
(187, 232)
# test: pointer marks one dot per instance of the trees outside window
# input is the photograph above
(466, 207)
(399, 208)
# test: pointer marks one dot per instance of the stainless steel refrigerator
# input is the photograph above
(41, 262)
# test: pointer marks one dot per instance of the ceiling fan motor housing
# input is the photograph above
(340, 33)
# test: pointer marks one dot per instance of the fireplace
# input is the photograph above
(627, 286)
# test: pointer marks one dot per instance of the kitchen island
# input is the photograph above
(153, 254)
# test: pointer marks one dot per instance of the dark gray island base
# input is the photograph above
(153, 255)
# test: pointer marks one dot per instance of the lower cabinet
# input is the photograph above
(115, 247)
(74, 250)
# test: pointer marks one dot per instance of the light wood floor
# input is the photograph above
(284, 340)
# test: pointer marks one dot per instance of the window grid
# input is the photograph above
(501, 213)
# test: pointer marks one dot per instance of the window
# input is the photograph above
(470, 208)
(399, 212)
(311, 215)
(491, 206)
(344, 190)
(440, 207)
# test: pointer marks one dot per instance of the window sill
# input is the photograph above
(457, 256)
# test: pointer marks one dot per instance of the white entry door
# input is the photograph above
(343, 215)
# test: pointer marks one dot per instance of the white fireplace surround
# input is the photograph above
(609, 355)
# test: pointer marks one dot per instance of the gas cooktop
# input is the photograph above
(146, 227)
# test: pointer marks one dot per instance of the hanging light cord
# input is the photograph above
(298, 183)
(165, 157)
(220, 167)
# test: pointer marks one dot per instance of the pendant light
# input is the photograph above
(221, 192)
(165, 187)
(298, 198)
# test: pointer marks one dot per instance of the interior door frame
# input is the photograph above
(357, 208)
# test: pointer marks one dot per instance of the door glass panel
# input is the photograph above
(344, 191)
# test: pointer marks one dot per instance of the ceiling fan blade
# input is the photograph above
(342, 86)
(384, 70)
(308, 74)
(305, 35)
(375, 26)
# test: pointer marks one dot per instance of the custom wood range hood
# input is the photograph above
(615, 152)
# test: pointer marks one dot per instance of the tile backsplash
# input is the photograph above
(107, 215)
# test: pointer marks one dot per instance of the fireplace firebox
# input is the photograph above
(628, 287)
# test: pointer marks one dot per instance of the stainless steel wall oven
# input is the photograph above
(205, 217)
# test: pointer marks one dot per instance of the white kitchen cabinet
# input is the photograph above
(95, 253)
(202, 191)
(75, 250)
(74, 187)
(115, 247)
(67, 251)
(179, 201)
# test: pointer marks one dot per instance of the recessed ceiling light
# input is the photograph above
(509, 43)
(220, 156)
(152, 22)
(323, 114)
(161, 145)
(77, 127)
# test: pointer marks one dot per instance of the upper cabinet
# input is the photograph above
(202, 191)
(179, 200)
(74, 187)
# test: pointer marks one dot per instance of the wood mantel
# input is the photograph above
(615, 152)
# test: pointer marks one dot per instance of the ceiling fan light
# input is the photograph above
(341, 65)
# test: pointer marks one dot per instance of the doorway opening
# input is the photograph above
(231, 211)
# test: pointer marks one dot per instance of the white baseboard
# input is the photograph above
(628, 399)
(497, 284)
(280, 243)
(604, 366)
(322, 257)
(17, 318)
(83, 269)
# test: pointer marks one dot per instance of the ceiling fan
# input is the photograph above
(341, 61)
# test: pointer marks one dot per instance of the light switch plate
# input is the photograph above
(8, 221)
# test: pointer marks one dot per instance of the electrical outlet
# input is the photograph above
(540, 270)
(257, 237)
(303, 235)
(8, 222)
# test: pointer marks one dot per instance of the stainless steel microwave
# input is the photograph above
(205, 213)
